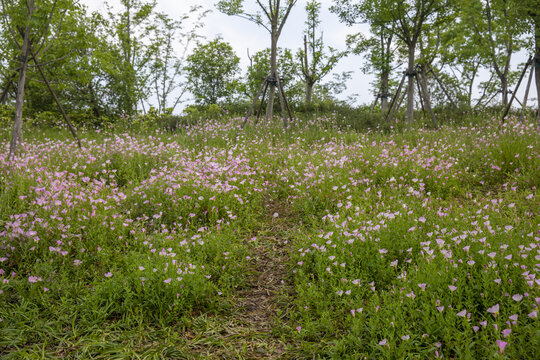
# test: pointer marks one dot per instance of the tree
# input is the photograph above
(532, 9)
(130, 51)
(260, 68)
(412, 17)
(405, 19)
(271, 17)
(211, 71)
(378, 48)
(28, 26)
(497, 26)
(166, 65)
(315, 64)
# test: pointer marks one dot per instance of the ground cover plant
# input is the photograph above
(315, 242)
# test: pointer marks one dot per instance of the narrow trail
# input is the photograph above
(252, 329)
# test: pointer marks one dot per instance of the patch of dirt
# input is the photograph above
(252, 330)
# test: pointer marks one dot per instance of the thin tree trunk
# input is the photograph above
(384, 90)
(425, 93)
(308, 76)
(273, 70)
(504, 86)
(309, 92)
(410, 91)
(536, 65)
(16, 136)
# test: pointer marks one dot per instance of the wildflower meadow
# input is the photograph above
(316, 242)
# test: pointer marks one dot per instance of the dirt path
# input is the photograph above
(252, 330)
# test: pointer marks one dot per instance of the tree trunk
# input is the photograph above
(384, 90)
(16, 136)
(309, 92)
(410, 91)
(426, 94)
(536, 63)
(273, 69)
(504, 90)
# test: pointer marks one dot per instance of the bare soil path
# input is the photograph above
(252, 331)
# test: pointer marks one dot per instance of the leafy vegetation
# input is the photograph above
(416, 243)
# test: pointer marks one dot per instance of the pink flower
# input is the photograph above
(108, 274)
(298, 328)
(501, 344)
(405, 337)
(383, 342)
(34, 279)
(506, 332)
(517, 297)
(167, 281)
(494, 309)
(452, 287)
(462, 313)
(513, 317)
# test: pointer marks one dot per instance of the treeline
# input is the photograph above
(106, 66)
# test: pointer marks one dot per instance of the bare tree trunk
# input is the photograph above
(273, 69)
(426, 94)
(16, 136)
(536, 64)
(384, 90)
(309, 92)
(504, 90)
(410, 91)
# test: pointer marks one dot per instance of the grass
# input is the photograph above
(317, 242)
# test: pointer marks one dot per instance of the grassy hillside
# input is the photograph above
(316, 242)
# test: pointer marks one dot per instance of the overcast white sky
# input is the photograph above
(243, 35)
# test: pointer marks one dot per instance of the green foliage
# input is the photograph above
(315, 63)
(211, 72)
(396, 243)
(287, 69)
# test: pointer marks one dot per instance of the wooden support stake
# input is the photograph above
(403, 97)
(393, 103)
(425, 95)
(526, 97)
(442, 87)
(529, 62)
(285, 102)
(374, 104)
(420, 93)
(252, 107)
(66, 118)
(259, 113)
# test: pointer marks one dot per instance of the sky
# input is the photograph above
(244, 35)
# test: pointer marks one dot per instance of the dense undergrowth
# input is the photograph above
(415, 242)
